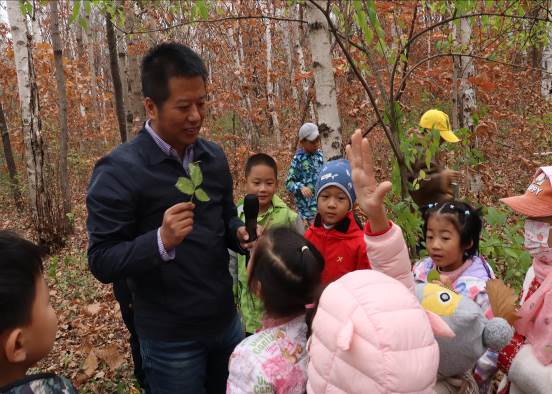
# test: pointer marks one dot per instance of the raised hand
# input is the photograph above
(370, 194)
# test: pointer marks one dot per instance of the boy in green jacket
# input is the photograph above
(261, 177)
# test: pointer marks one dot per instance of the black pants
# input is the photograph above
(124, 297)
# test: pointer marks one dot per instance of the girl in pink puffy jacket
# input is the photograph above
(370, 334)
(284, 272)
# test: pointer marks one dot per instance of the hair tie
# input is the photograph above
(467, 212)
(305, 247)
(309, 306)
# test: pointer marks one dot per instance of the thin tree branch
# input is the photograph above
(390, 136)
(520, 66)
(398, 58)
(455, 17)
(227, 18)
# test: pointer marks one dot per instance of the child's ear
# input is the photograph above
(468, 246)
(14, 347)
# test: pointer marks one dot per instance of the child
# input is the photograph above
(527, 360)
(284, 272)
(261, 178)
(335, 232)
(437, 187)
(28, 322)
(304, 171)
(370, 334)
(452, 231)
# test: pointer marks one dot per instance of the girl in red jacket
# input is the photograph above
(335, 232)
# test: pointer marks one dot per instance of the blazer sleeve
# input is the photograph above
(229, 212)
(114, 250)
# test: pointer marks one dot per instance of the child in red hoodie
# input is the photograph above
(335, 231)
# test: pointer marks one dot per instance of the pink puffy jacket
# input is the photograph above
(370, 334)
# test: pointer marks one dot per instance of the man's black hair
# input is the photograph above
(166, 61)
(20, 266)
(260, 159)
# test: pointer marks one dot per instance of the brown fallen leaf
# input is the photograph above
(90, 364)
(92, 309)
(110, 354)
(503, 300)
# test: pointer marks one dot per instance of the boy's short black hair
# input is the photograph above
(258, 159)
(166, 61)
(20, 266)
(466, 219)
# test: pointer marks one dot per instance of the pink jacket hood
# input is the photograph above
(371, 335)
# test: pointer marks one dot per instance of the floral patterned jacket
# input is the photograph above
(274, 360)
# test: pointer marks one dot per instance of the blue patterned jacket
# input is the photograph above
(304, 171)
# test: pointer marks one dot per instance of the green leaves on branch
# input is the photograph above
(191, 186)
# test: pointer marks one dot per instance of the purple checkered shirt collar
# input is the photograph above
(169, 150)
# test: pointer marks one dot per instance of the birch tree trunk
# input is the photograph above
(465, 69)
(46, 224)
(303, 69)
(242, 91)
(288, 31)
(135, 106)
(546, 64)
(89, 40)
(123, 70)
(269, 82)
(62, 106)
(10, 162)
(116, 77)
(326, 102)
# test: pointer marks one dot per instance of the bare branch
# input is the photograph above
(388, 132)
(397, 60)
(217, 20)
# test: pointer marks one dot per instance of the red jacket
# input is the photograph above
(342, 247)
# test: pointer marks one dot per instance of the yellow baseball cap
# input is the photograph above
(438, 120)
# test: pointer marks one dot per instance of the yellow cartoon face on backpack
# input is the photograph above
(440, 300)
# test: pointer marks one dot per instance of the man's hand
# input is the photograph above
(370, 194)
(306, 192)
(447, 178)
(243, 237)
(178, 221)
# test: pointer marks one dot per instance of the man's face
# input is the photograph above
(179, 119)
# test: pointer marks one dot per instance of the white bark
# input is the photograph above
(242, 91)
(28, 98)
(326, 101)
(269, 82)
(89, 44)
(136, 113)
(466, 69)
(546, 64)
(303, 69)
(288, 30)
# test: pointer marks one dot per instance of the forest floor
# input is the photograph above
(92, 343)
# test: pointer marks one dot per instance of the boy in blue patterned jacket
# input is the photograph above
(304, 170)
(28, 323)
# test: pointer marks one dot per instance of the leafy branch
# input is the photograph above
(191, 186)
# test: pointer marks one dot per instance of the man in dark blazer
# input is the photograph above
(166, 255)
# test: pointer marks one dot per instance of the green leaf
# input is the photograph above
(201, 195)
(195, 174)
(76, 11)
(185, 186)
(203, 10)
(433, 275)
